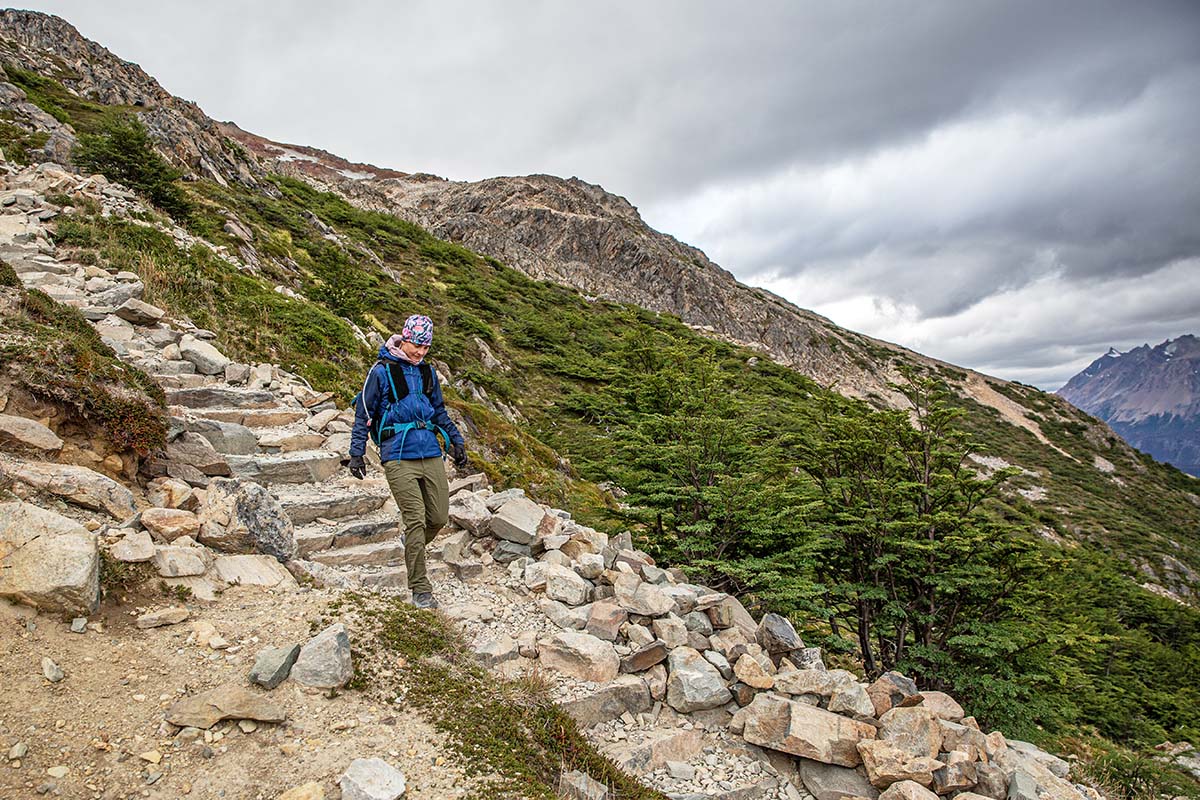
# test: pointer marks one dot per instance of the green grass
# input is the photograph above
(55, 354)
(509, 734)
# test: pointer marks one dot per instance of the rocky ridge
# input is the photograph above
(674, 682)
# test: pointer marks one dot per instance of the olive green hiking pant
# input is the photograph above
(423, 497)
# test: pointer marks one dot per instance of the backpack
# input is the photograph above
(398, 390)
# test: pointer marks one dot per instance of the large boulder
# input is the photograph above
(240, 516)
(693, 684)
(78, 485)
(170, 523)
(208, 359)
(324, 661)
(564, 585)
(47, 560)
(776, 634)
(469, 512)
(580, 655)
(638, 597)
(628, 693)
(913, 729)
(886, 764)
(781, 724)
(517, 520)
(889, 690)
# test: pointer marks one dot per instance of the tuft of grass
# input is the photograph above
(121, 576)
(55, 354)
(509, 733)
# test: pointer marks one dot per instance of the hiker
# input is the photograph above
(401, 407)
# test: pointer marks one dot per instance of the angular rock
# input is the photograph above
(79, 485)
(954, 777)
(1054, 764)
(889, 690)
(991, 781)
(693, 684)
(913, 729)
(228, 438)
(273, 665)
(720, 662)
(134, 547)
(469, 512)
(49, 561)
(305, 791)
(851, 699)
(670, 630)
(208, 359)
(324, 661)
(240, 516)
(171, 493)
(966, 740)
(175, 561)
(576, 785)
(887, 764)
(253, 570)
(22, 434)
(638, 597)
(907, 790)
(171, 523)
(227, 701)
(626, 694)
(830, 782)
(564, 585)
(371, 779)
(564, 616)
(580, 655)
(165, 616)
(644, 658)
(517, 520)
(806, 681)
(943, 706)
(655, 749)
(776, 634)
(139, 313)
(605, 619)
(495, 650)
(196, 451)
(781, 724)
(751, 673)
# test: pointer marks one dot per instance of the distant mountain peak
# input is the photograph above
(1149, 395)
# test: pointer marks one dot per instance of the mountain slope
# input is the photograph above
(1149, 395)
(289, 274)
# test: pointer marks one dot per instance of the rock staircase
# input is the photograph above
(257, 422)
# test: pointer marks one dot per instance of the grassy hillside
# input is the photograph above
(607, 391)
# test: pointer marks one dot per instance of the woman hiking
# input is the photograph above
(402, 409)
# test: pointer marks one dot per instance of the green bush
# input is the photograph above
(121, 150)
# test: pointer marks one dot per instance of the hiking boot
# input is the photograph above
(425, 600)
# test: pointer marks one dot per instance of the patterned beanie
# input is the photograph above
(418, 329)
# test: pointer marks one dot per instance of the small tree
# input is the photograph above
(122, 151)
(914, 568)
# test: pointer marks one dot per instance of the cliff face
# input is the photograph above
(1150, 396)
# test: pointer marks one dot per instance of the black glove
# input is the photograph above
(358, 467)
(458, 452)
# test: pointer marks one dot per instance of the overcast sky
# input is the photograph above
(1010, 186)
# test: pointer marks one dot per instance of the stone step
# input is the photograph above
(254, 417)
(386, 552)
(288, 440)
(306, 503)
(222, 397)
(169, 382)
(317, 536)
(303, 466)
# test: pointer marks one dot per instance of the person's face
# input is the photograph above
(415, 352)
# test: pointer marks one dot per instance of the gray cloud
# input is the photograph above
(1007, 185)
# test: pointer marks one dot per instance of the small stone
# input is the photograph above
(18, 750)
(166, 616)
(371, 779)
(681, 770)
(306, 791)
(324, 661)
(247, 725)
(59, 772)
(52, 672)
(272, 666)
(153, 756)
(578, 785)
(79, 625)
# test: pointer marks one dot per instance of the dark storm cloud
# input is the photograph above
(1007, 185)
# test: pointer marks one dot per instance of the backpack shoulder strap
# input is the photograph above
(399, 385)
(426, 379)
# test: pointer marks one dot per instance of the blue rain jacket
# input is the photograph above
(376, 399)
